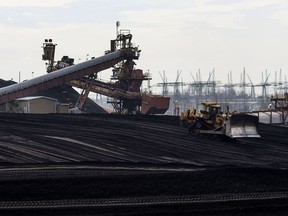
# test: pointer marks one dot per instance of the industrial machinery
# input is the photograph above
(211, 120)
(124, 89)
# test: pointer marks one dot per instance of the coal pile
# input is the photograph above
(102, 156)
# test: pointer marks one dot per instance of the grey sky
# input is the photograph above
(184, 35)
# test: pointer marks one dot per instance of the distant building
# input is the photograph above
(62, 108)
(36, 105)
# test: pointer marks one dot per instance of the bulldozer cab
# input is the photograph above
(211, 107)
(210, 110)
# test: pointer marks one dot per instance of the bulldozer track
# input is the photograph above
(73, 171)
(142, 201)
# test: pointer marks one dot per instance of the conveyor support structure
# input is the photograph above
(62, 76)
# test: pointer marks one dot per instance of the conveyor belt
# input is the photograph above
(60, 77)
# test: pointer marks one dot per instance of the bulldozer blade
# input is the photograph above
(242, 125)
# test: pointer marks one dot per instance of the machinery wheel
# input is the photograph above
(193, 130)
(198, 124)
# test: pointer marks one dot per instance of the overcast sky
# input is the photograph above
(183, 35)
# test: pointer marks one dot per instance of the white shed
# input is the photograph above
(35, 104)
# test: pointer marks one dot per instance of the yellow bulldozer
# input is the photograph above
(211, 120)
